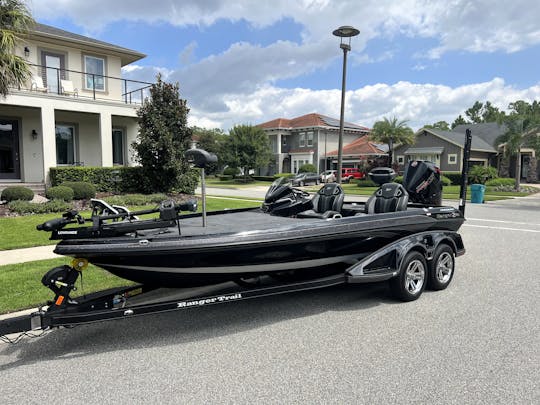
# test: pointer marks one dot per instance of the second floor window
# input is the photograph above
(95, 71)
(310, 138)
(302, 139)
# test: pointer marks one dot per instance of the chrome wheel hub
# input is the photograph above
(415, 275)
(445, 266)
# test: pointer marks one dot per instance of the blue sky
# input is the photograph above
(252, 61)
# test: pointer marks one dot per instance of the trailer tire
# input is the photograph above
(412, 278)
(441, 269)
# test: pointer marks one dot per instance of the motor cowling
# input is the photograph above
(422, 180)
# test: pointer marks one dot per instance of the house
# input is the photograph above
(490, 132)
(75, 110)
(445, 149)
(306, 139)
(361, 153)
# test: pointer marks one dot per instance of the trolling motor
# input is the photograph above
(201, 158)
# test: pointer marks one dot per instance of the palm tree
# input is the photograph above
(15, 21)
(391, 131)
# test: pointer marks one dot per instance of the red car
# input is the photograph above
(350, 173)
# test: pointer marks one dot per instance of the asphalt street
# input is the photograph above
(476, 342)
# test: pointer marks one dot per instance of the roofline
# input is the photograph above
(452, 142)
(130, 55)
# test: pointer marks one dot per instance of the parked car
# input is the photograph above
(301, 179)
(328, 176)
(350, 173)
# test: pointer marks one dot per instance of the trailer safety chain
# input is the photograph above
(21, 335)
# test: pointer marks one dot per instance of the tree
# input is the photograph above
(391, 131)
(442, 125)
(15, 21)
(162, 140)
(459, 121)
(247, 147)
(211, 140)
(523, 125)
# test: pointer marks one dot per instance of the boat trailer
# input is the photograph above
(390, 262)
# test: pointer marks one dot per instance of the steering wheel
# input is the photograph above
(299, 193)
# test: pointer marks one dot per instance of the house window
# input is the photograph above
(400, 159)
(65, 145)
(118, 146)
(95, 71)
(452, 159)
(310, 138)
(302, 139)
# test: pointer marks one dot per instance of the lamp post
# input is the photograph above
(343, 32)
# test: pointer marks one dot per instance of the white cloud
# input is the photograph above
(419, 103)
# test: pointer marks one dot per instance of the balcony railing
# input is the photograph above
(72, 83)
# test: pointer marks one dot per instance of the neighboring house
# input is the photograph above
(361, 153)
(306, 139)
(75, 110)
(445, 149)
(490, 132)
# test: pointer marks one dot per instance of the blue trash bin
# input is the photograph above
(477, 193)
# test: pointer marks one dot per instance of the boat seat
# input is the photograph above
(389, 197)
(327, 203)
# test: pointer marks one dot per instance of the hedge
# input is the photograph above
(263, 178)
(15, 193)
(501, 181)
(27, 207)
(116, 179)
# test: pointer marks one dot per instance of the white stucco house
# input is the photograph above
(75, 110)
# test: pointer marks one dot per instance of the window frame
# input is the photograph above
(87, 77)
(73, 127)
(455, 160)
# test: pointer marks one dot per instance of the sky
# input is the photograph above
(251, 61)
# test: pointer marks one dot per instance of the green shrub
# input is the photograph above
(81, 189)
(501, 181)
(307, 168)
(231, 171)
(105, 179)
(480, 174)
(366, 183)
(278, 175)
(225, 177)
(455, 177)
(398, 179)
(59, 193)
(26, 207)
(136, 199)
(15, 193)
(263, 178)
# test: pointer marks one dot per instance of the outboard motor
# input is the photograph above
(422, 180)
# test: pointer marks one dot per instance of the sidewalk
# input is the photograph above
(27, 255)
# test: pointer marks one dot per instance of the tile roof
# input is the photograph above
(129, 55)
(309, 120)
(360, 146)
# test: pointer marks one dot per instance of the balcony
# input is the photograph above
(46, 80)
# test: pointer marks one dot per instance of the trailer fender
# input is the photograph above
(385, 263)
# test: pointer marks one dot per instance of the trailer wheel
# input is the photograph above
(411, 281)
(441, 268)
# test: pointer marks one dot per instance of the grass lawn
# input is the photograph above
(20, 232)
(21, 288)
(215, 182)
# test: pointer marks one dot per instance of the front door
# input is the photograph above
(9, 150)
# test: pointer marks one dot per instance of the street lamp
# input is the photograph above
(343, 32)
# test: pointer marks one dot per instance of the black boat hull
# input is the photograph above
(303, 247)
